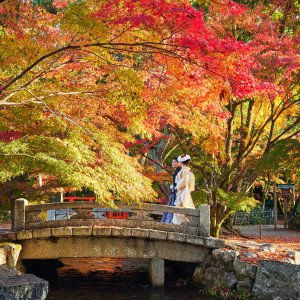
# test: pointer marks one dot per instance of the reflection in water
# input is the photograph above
(111, 279)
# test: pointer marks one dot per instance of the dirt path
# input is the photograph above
(282, 237)
(268, 231)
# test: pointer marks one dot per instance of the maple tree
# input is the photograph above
(113, 70)
(80, 81)
(262, 130)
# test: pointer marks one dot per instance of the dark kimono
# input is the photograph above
(167, 216)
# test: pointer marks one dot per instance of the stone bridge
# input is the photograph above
(83, 229)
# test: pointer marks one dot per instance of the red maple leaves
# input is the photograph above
(10, 135)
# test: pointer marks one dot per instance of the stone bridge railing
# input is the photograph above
(76, 214)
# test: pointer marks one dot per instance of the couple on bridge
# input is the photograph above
(183, 185)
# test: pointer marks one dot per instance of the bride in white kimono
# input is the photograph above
(185, 184)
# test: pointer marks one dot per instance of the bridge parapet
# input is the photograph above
(28, 217)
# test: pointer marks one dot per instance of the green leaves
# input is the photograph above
(235, 201)
(285, 153)
(47, 5)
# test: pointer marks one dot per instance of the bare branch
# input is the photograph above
(62, 114)
(165, 48)
(33, 100)
(42, 102)
(18, 154)
(284, 132)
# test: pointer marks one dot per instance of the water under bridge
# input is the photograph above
(84, 229)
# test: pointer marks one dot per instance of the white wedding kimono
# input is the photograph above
(185, 184)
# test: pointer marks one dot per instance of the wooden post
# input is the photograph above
(275, 205)
(285, 213)
(294, 197)
(260, 231)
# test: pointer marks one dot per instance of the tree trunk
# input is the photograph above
(218, 215)
(215, 229)
(229, 221)
(12, 208)
(215, 224)
(155, 154)
(164, 189)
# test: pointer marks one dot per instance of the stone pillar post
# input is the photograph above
(157, 272)
(19, 217)
(57, 197)
(204, 210)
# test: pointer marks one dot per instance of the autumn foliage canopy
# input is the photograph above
(83, 80)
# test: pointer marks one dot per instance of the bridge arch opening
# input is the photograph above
(109, 277)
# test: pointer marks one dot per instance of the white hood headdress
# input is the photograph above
(183, 157)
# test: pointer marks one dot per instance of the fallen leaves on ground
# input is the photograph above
(283, 247)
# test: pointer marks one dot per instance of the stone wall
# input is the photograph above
(14, 284)
(269, 280)
(9, 254)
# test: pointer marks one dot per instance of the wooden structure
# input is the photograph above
(71, 199)
(286, 195)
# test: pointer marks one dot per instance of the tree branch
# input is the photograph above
(154, 161)
(62, 114)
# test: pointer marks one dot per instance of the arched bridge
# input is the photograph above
(84, 229)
